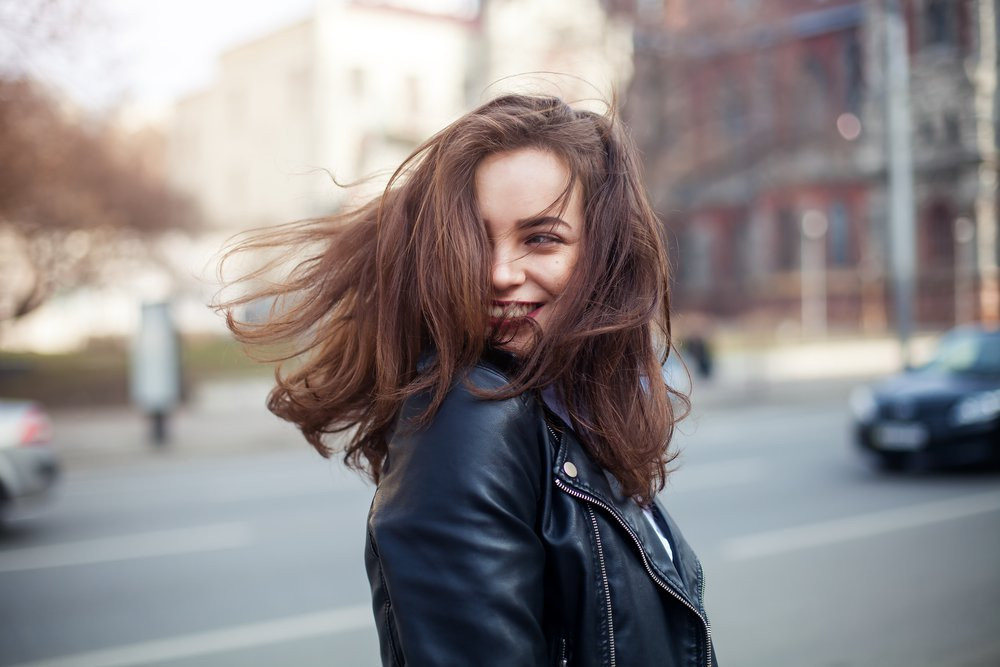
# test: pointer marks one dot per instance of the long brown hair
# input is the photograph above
(374, 288)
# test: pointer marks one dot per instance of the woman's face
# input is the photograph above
(534, 245)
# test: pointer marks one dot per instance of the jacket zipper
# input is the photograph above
(563, 660)
(607, 585)
(652, 575)
(701, 584)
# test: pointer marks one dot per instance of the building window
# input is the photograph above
(853, 71)
(813, 95)
(939, 23)
(696, 256)
(758, 246)
(789, 240)
(939, 239)
(747, 246)
(840, 235)
(732, 109)
(925, 129)
(952, 128)
(763, 96)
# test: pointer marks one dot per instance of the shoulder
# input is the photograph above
(476, 461)
(470, 441)
(464, 407)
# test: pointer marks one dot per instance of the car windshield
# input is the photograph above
(967, 352)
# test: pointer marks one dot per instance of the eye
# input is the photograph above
(542, 239)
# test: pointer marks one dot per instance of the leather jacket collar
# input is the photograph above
(586, 477)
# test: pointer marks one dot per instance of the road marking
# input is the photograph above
(713, 475)
(320, 624)
(852, 528)
(212, 537)
(101, 498)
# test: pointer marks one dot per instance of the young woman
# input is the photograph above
(490, 333)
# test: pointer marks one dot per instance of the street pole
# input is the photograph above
(813, 272)
(902, 244)
(986, 145)
(965, 257)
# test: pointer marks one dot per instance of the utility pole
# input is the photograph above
(964, 232)
(986, 145)
(813, 272)
(902, 243)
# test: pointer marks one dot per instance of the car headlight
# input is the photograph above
(976, 409)
(863, 404)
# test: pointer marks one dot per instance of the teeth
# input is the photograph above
(512, 310)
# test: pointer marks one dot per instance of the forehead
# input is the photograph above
(520, 184)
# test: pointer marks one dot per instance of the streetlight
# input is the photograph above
(813, 272)
(902, 236)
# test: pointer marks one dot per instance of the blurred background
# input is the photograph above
(827, 173)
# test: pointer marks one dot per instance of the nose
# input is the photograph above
(507, 270)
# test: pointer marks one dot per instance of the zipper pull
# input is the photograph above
(563, 660)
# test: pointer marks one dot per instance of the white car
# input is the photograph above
(28, 463)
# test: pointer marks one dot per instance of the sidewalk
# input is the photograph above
(229, 418)
(222, 419)
(800, 372)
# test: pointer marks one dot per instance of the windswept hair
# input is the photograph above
(372, 290)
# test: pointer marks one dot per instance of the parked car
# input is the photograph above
(29, 466)
(945, 412)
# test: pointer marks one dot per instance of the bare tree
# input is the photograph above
(73, 195)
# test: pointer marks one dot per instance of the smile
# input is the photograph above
(510, 310)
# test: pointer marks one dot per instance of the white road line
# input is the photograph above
(320, 624)
(856, 527)
(101, 498)
(714, 475)
(211, 537)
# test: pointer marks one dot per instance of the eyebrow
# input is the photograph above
(529, 223)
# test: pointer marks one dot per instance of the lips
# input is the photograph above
(512, 313)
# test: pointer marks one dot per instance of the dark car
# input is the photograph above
(946, 412)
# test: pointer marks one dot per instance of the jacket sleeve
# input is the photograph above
(454, 559)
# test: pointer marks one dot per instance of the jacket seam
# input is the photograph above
(390, 630)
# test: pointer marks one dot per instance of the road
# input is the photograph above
(254, 556)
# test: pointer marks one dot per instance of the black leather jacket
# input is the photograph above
(493, 539)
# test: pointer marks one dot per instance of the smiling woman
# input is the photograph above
(491, 329)
(534, 251)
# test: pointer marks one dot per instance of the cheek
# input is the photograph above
(560, 272)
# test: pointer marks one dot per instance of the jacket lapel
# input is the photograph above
(589, 479)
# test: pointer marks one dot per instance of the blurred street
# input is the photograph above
(242, 547)
(826, 175)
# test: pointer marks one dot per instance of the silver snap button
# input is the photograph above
(569, 469)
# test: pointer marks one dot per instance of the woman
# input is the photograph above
(491, 331)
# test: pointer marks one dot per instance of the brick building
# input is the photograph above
(757, 115)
